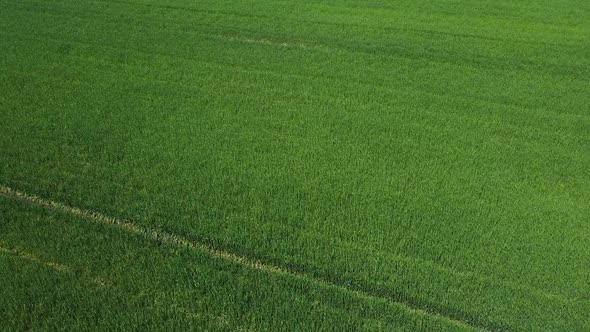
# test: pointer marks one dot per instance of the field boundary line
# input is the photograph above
(226, 255)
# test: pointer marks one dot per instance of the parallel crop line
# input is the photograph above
(179, 241)
(57, 267)
(405, 55)
(338, 24)
(533, 110)
(523, 108)
(32, 258)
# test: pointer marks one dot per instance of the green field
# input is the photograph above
(295, 165)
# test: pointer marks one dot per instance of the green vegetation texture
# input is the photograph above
(413, 165)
